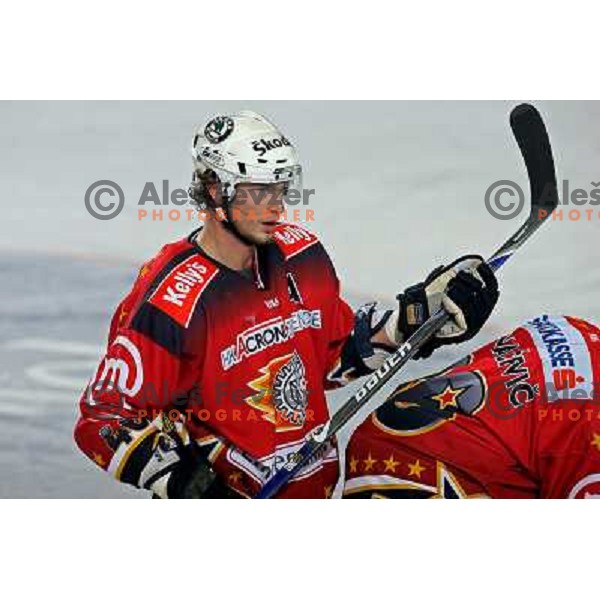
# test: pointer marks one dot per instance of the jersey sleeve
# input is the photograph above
(350, 350)
(132, 411)
(338, 369)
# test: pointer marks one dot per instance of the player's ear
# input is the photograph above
(214, 192)
(213, 189)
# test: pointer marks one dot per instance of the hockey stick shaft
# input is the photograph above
(531, 135)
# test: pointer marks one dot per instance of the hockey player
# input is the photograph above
(218, 358)
(518, 418)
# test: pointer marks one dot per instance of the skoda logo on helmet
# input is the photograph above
(218, 129)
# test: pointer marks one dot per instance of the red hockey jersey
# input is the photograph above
(519, 418)
(237, 365)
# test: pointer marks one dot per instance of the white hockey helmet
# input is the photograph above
(245, 147)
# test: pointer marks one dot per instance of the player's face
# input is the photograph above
(256, 210)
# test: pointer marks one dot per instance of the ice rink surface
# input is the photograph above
(399, 189)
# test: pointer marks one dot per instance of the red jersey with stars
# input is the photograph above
(519, 418)
(239, 359)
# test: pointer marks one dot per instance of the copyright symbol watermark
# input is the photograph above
(499, 404)
(99, 205)
(504, 199)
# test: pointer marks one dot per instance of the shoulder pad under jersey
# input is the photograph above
(166, 293)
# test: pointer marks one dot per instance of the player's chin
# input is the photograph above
(260, 238)
(263, 233)
(267, 238)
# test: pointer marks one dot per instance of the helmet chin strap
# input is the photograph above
(229, 224)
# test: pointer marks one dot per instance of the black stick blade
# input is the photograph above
(531, 135)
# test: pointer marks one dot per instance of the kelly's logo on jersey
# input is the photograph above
(267, 334)
(178, 293)
(293, 239)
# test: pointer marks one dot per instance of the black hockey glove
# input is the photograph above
(193, 477)
(467, 289)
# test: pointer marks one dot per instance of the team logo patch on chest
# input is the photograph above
(178, 293)
(282, 392)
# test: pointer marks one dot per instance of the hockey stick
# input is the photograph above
(530, 133)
